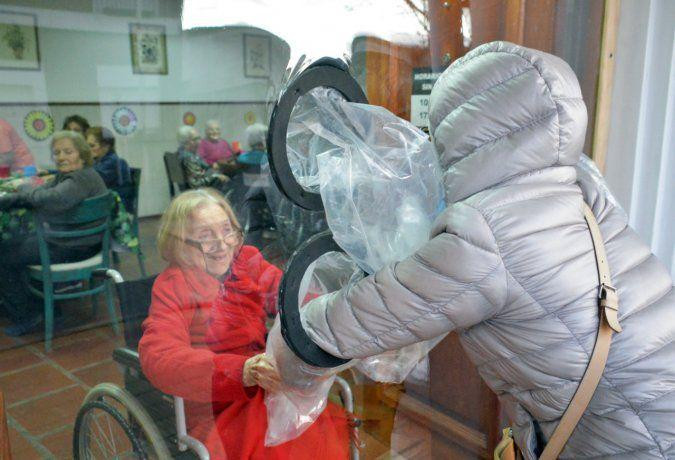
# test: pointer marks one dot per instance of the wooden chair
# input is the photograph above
(90, 218)
(174, 173)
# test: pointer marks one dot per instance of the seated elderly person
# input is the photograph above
(75, 181)
(113, 170)
(204, 338)
(256, 138)
(198, 173)
(214, 149)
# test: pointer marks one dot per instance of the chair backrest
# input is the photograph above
(135, 297)
(90, 210)
(89, 220)
(174, 172)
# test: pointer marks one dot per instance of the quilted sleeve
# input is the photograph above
(455, 281)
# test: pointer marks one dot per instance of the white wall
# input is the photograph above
(86, 69)
(641, 156)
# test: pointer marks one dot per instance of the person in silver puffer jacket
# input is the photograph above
(510, 265)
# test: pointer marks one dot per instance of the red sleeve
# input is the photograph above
(266, 276)
(22, 156)
(169, 360)
(270, 277)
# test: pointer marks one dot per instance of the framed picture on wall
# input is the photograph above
(19, 48)
(148, 49)
(257, 57)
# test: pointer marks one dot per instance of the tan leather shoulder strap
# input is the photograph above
(609, 322)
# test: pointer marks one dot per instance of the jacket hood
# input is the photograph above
(501, 111)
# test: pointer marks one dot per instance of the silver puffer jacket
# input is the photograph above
(510, 266)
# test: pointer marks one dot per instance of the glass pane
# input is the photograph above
(137, 130)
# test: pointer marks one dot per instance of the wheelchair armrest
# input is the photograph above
(127, 358)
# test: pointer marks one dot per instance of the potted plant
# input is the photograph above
(15, 39)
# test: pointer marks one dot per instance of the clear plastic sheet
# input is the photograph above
(294, 408)
(379, 176)
(303, 139)
(381, 186)
(305, 391)
(294, 224)
(395, 365)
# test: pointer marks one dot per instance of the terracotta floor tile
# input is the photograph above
(49, 412)
(21, 448)
(17, 358)
(73, 337)
(7, 342)
(32, 382)
(103, 372)
(78, 323)
(84, 352)
(60, 444)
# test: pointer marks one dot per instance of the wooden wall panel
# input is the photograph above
(458, 391)
(445, 24)
(389, 74)
(539, 24)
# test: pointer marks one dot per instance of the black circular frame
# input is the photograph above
(291, 327)
(326, 72)
(331, 73)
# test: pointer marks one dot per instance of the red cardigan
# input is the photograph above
(195, 341)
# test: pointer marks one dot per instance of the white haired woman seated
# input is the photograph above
(198, 173)
(75, 181)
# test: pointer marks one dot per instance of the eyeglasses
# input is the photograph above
(214, 244)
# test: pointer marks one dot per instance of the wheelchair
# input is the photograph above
(139, 421)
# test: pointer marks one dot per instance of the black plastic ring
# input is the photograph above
(327, 72)
(291, 327)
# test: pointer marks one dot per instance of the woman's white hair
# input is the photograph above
(184, 134)
(213, 123)
(256, 134)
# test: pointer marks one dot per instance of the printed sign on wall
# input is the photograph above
(423, 81)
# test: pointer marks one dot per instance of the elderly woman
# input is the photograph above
(256, 136)
(212, 148)
(204, 339)
(113, 170)
(76, 180)
(511, 266)
(198, 173)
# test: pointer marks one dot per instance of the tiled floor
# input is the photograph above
(43, 391)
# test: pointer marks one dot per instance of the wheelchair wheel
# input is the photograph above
(150, 441)
(101, 432)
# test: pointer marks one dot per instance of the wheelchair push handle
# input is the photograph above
(108, 273)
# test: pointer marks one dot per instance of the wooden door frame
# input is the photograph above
(517, 11)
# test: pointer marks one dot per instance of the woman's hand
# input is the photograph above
(259, 370)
